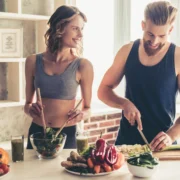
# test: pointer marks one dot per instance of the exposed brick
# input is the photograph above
(90, 126)
(115, 135)
(113, 129)
(86, 120)
(92, 139)
(107, 136)
(106, 123)
(97, 132)
(117, 122)
(98, 118)
(113, 116)
(112, 141)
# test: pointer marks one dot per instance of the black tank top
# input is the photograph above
(153, 90)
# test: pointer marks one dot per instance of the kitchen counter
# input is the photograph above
(34, 169)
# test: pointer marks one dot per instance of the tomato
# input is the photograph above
(5, 168)
(1, 172)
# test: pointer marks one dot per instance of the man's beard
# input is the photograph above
(148, 50)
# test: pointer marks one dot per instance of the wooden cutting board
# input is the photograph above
(168, 155)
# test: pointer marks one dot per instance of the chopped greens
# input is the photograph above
(44, 146)
(143, 160)
(87, 152)
(81, 170)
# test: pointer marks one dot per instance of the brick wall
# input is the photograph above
(106, 123)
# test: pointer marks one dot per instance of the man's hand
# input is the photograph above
(75, 116)
(160, 141)
(132, 114)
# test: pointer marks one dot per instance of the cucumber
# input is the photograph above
(172, 147)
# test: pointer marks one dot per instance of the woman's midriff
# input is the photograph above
(55, 112)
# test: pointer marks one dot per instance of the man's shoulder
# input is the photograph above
(128, 46)
(177, 53)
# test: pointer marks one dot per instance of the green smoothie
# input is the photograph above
(82, 143)
(17, 150)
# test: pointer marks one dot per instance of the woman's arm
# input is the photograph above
(30, 90)
(86, 80)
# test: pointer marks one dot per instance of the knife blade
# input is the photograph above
(144, 138)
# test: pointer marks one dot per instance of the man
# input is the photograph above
(151, 67)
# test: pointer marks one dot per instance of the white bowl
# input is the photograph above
(140, 171)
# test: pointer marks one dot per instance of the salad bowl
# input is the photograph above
(47, 147)
(143, 165)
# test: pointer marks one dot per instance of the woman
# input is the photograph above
(58, 72)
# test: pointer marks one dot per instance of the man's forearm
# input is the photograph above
(109, 97)
(174, 131)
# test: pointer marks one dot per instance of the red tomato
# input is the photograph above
(1, 172)
(5, 168)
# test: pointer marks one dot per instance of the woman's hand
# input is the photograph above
(75, 116)
(132, 114)
(161, 140)
(35, 109)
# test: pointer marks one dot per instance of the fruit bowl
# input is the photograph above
(143, 165)
(46, 147)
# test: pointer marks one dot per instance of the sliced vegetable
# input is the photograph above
(111, 154)
(172, 147)
(143, 160)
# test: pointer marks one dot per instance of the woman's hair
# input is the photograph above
(160, 12)
(57, 23)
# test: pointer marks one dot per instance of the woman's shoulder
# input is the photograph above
(85, 62)
(31, 58)
(31, 61)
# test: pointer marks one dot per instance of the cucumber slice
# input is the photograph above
(172, 147)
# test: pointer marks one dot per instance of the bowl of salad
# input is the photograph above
(143, 165)
(47, 146)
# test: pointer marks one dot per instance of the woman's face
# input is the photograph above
(73, 32)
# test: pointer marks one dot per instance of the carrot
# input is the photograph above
(106, 167)
(90, 163)
(102, 169)
(97, 169)
(120, 161)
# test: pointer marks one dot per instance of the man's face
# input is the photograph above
(154, 37)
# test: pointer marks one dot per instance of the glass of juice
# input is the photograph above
(17, 148)
(82, 141)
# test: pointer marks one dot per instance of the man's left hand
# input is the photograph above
(160, 141)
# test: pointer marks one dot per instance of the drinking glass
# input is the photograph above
(17, 147)
(82, 141)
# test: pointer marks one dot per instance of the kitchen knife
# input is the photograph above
(144, 138)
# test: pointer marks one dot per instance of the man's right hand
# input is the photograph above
(132, 114)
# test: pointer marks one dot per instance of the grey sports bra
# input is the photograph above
(63, 86)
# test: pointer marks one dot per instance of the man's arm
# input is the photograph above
(174, 131)
(111, 79)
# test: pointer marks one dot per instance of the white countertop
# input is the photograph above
(34, 169)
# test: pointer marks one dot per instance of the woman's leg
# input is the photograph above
(71, 137)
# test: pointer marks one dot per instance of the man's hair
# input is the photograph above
(57, 23)
(160, 12)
